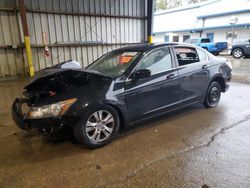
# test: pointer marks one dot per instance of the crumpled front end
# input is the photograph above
(17, 113)
(22, 116)
(51, 100)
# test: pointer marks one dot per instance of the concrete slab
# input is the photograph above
(192, 147)
(241, 68)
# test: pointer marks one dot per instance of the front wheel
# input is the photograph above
(98, 127)
(213, 95)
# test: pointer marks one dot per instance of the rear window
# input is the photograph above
(186, 56)
(205, 41)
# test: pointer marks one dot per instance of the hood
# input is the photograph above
(52, 81)
(49, 73)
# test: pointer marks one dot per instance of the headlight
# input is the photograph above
(51, 110)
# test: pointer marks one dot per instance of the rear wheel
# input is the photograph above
(98, 127)
(213, 95)
(237, 53)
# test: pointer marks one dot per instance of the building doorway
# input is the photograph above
(166, 38)
(186, 37)
(210, 36)
(175, 38)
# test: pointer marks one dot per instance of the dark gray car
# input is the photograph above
(123, 87)
(240, 49)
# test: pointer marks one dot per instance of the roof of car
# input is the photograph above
(147, 47)
(144, 46)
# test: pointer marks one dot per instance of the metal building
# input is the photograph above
(69, 29)
(218, 20)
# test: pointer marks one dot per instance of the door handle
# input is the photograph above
(170, 76)
(204, 67)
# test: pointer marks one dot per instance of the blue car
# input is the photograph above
(205, 43)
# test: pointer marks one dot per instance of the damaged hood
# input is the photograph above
(47, 74)
(65, 72)
(53, 82)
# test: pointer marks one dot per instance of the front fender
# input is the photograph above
(121, 108)
(83, 107)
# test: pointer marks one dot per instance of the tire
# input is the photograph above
(95, 132)
(213, 95)
(238, 53)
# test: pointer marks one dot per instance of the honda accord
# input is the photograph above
(119, 89)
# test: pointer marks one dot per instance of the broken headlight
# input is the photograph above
(51, 110)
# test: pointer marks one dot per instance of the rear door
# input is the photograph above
(194, 73)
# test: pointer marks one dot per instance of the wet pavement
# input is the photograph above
(241, 68)
(192, 147)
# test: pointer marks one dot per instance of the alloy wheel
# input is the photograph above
(100, 126)
(238, 53)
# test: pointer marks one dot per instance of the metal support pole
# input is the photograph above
(26, 36)
(150, 16)
(232, 34)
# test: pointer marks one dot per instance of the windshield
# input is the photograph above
(115, 63)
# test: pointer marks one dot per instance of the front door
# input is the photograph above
(158, 92)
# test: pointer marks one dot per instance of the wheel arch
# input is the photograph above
(120, 110)
(218, 78)
(121, 116)
(239, 48)
(119, 107)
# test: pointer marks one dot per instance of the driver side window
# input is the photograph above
(157, 61)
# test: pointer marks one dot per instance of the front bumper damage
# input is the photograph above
(17, 114)
(23, 122)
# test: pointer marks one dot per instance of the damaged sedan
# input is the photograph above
(119, 89)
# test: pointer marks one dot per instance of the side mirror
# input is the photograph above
(141, 74)
(249, 40)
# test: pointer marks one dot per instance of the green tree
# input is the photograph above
(167, 4)
(160, 5)
(194, 1)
